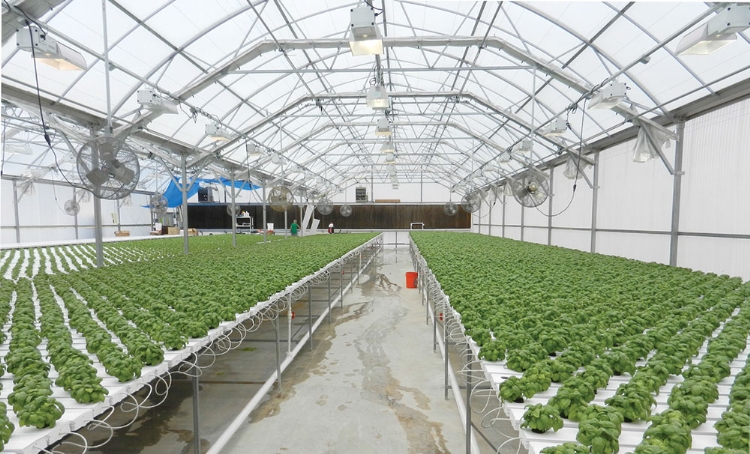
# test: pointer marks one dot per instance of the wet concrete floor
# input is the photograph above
(371, 384)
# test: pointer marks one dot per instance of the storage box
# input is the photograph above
(122, 233)
(166, 230)
(192, 232)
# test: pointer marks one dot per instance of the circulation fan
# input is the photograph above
(450, 208)
(108, 168)
(235, 212)
(159, 204)
(324, 207)
(472, 201)
(345, 210)
(280, 198)
(72, 207)
(531, 190)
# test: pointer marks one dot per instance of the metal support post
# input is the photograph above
(75, 216)
(434, 328)
(309, 312)
(234, 214)
(359, 271)
(489, 219)
(445, 346)
(468, 400)
(330, 270)
(289, 327)
(595, 202)
(98, 232)
(119, 223)
(341, 285)
(278, 352)
(286, 226)
(351, 277)
(196, 413)
(549, 200)
(523, 212)
(427, 307)
(15, 211)
(184, 187)
(265, 225)
(676, 194)
(504, 200)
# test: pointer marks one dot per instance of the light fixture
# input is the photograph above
(504, 157)
(388, 147)
(151, 100)
(609, 96)
(48, 51)
(377, 98)
(557, 127)
(719, 31)
(524, 147)
(252, 149)
(18, 149)
(365, 38)
(394, 185)
(489, 167)
(390, 157)
(384, 128)
(216, 132)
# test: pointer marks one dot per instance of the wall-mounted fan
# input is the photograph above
(235, 212)
(345, 210)
(324, 207)
(281, 199)
(108, 168)
(159, 204)
(532, 189)
(450, 208)
(72, 207)
(472, 201)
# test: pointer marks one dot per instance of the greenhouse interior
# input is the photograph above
(377, 226)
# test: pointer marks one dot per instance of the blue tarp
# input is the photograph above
(174, 193)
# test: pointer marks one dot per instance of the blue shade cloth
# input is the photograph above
(174, 193)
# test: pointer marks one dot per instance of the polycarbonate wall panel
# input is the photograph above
(512, 212)
(7, 213)
(535, 235)
(572, 239)
(41, 209)
(578, 214)
(634, 196)
(639, 246)
(537, 217)
(716, 160)
(513, 233)
(717, 255)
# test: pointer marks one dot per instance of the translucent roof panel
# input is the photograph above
(467, 80)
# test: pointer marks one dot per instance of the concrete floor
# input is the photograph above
(371, 384)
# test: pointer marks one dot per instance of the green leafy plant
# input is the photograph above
(634, 401)
(568, 448)
(511, 390)
(541, 418)
(601, 436)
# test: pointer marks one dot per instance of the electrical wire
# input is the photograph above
(578, 164)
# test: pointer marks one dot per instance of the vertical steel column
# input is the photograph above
(549, 199)
(278, 352)
(309, 312)
(341, 284)
(351, 276)
(523, 212)
(330, 270)
(445, 346)
(676, 194)
(234, 214)
(359, 271)
(468, 400)
(15, 211)
(265, 225)
(184, 187)
(75, 216)
(289, 323)
(119, 222)
(479, 218)
(595, 202)
(489, 219)
(434, 327)
(98, 232)
(504, 203)
(196, 412)
(286, 225)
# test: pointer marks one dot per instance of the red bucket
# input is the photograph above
(411, 279)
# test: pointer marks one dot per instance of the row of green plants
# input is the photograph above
(31, 397)
(550, 312)
(130, 313)
(6, 293)
(734, 425)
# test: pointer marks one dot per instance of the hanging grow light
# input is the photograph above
(365, 36)
(48, 51)
(383, 128)
(719, 31)
(609, 96)
(377, 98)
(556, 128)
